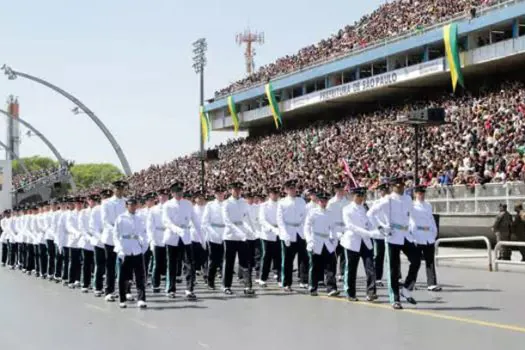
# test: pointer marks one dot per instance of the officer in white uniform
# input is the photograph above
(95, 228)
(236, 233)
(213, 227)
(85, 244)
(335, 206)
(149, 202)
(155, 230)
(253, 234)
(379, 242)
(51, 221)
(63, 241)
(74, 236)
(424, 229)
(198, 241)
(4, 236)
(177, 213)
(320, 232)
(41, 226)
(291, 213)
(110, 209)
(357, 244)
(131, 242)
(271, 247)
(393, 215)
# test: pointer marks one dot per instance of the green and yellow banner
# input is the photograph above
(274, 105)
(450, 37)
(205, 124)
(233, 113)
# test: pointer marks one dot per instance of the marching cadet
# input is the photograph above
(4, 236)
(155, 231)
(60, 240)
(236, 233)
(64, 241)
(357, 243)
(311, 195)
(271, 247)
(73, 239)
(13, 245)
(335, 206)
(290, 221)
(395, 210)
(41, 227)
(252, 234)
(213, 227)
(379, 242)
(32, 241)
(176, 216)
(149, 203)
(198, 241)
(96, 227)
(131, 242)
(423, 228)
(51, 221)
(22, 238)
(85, 245)
(110, 210)
(320, 232)
(260, 197)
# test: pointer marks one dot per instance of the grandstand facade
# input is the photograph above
(491, 39)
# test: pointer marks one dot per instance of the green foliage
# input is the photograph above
(33, 164)
(87, 175)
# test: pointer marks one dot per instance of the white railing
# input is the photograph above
(497, 249)
(487, 254)
(378, 43)
(478, 200)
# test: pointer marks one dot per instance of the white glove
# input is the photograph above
(121, 255)
(310, 246)
(386, 231)
(287, 243)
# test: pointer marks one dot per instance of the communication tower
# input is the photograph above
(13, 126)
(249, 38)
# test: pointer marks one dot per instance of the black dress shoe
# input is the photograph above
(411, 300)
(228, 291)
(397, 306)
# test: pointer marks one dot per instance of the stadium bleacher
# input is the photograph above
(391, 19)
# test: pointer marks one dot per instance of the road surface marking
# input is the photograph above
(435, 315)
(144, 324)
(95, 307)
(204, 345)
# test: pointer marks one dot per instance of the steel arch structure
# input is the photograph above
(12, 74)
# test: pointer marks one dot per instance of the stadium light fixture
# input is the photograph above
(199, 62)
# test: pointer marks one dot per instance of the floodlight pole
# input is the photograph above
(199, 61)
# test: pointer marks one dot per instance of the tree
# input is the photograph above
(34, 164)
(87, 175)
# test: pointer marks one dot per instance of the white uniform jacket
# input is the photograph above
(72, 228)
(291, 213)
(358, 228)
(155, 227)
(52, 220)
(15, 229)
(237, 220)
(95, 226)
(253, 214)
(176, 216)
(83, 226)
(199, 213)
(319, 231)
(130, 235)
(111, 208)
(336, 206)
(310, 206)
(213, 222)
(4, 223)
(422, 223)
(268, 220)
(393, 212)
(31, 229)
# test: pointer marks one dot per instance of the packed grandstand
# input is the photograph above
(391, 19)
(484, 140)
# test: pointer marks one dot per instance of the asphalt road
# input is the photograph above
(476, 310)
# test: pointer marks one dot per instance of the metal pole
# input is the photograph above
(203, 155)
(416, 163)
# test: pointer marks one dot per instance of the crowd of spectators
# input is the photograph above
(484, 142)
(391, 19)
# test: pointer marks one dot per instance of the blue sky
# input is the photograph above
(130, 62)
